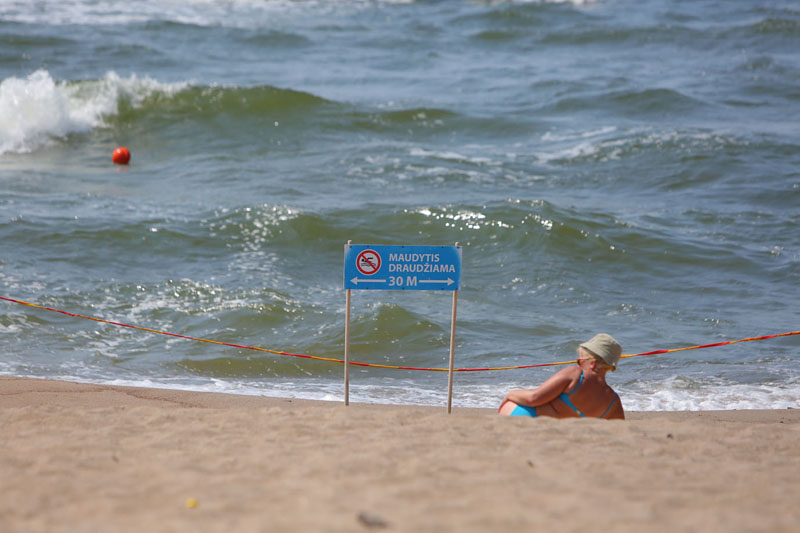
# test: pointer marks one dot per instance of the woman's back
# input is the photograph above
(591, 397)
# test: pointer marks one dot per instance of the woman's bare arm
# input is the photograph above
(544, 393)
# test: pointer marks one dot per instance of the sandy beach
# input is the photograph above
(78, 457)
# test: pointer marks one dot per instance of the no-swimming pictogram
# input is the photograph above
(368, 262)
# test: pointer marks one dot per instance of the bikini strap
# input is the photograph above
(576, 386)
(613, 402)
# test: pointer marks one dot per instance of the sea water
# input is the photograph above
(616, 166)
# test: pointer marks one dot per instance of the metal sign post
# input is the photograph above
(452, 353)
(401, 268)
(347, 346)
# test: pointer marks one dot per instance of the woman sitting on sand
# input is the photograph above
(579, 390)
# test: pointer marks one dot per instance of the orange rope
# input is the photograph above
(374, 365)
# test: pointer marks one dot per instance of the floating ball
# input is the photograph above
(121, 156)
(191, 503)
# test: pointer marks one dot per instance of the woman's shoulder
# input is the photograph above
(571, 374)
(563, 379)
(571, 370)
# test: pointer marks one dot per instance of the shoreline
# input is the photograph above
(25, 391)
(84, 457)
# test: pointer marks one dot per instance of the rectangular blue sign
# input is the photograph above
(402, 267)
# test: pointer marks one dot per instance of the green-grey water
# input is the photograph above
(618, 166)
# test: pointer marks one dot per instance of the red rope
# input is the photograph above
(373, 365)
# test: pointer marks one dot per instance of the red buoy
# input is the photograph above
(121, 156)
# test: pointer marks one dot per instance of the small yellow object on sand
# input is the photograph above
(191, 503)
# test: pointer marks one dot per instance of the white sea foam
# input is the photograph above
(231, 13)
(570, 136)
(570, 146)
(451, 156)
(579, 151)
(38, 109)
(664, 397)
(34, 109)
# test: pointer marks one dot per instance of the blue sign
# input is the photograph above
(402, 268)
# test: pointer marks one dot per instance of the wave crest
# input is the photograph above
(37, 109)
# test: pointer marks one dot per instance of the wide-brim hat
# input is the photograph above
(605, 347)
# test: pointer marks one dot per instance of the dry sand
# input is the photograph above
(77, 457)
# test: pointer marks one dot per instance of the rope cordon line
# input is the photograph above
(375, 365)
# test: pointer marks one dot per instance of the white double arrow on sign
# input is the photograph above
(448, 281)
(357, 280)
